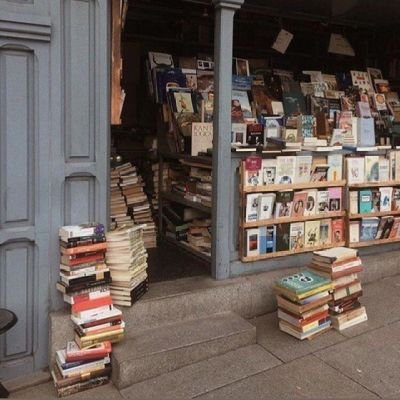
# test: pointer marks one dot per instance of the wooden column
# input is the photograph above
(223, 42)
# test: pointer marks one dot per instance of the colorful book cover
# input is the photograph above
(320, 173)
(396, 199)
(282, 237)
(285, 169)
(322, 201)
(337, 231)
(253, 242)
(299, 204)
(252, 178)
(312, 233)
(335, 171)
(297, 236)
(271, 239)
(284, 202)
(376, 200)
(384, 227)
(369, 228)
(302, 282)
(325, 231)
(255, 135)
(386, 198)
(335, 198)
(311, 203)
(365, 204)
(372, 168)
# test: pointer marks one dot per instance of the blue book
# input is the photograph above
(263, 240)
(270, 239)
(365, 201)
(369, 228)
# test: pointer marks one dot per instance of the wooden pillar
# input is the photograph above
(223, 42)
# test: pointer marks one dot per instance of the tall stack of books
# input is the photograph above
(342, 264)
(127, 261)
(84, 283)
(302, 299)
(118, 207)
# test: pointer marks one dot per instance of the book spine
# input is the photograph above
(89, 249)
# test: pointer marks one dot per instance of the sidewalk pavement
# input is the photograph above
(362, 362)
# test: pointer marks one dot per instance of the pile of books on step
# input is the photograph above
(127, 261)
(342, 264)
(84, 283)
(302, 299)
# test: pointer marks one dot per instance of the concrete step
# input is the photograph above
(161, 350)
(204, 376)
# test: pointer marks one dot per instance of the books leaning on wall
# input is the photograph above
(342, 265)
(302, 298)
(127, 261)
(84, 283)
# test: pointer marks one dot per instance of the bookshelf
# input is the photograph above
(373, 242)
(179, 198)
(275, 222)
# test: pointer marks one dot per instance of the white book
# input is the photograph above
(303, 169)
(386, 198)
(353, 196)
(268, 171)
(322, 201)
(252, 178)
(296, 236)
(252, 207)
(355, 169)
(311, 203)
(285, 169)
(253, 242)
(335, 171)
(239, 133)
(384, 173)
(266, 204)
(397, 165)
(354, 231)
(371, 170)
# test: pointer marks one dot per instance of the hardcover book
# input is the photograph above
(396, 199)
(302, 282)
(384, 227)
(297, 236)
(335, 198)
(383, 169)
(361, 79)
(395, 231)
(272, 126)
(376, 200)
(239, 133)
(202, 137)
(255, 135)
(299, 204)
(253, 177)
(312, 229)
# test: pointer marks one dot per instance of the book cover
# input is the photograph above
(335, 171)
(263, 239)
(396, 199)
(395, 231)
(320, 173)
(285, 169)
(270, 239)
(354, 231)
(312, 233)
(384, 227)
(299, 204)
(202, 137)
(306, 126)
(383, 169)
(253, 242)
(365, 132)
(282, 237)
(337, 231)
(365, 203)
(302, 282)
(322, 201)
(380, 101)
(363, 109)
(361, 79)
(239, 131)
(311, 203)
(386, 198)
(376, 200)
(266, 204)
(371, 170)
(284, 203)
(296, 236)
(335, 198)
(355, 170)
(252, 207)
(368, 229)
(325, 231)
(272, 126)
(353, 199)
(252, 177)
(293, 99)
(255, 135)
(303, 168)
(268, 171)
(242, 98)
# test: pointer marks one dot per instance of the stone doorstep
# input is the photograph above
(24, 382)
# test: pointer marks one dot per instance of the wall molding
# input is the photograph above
(27, 27)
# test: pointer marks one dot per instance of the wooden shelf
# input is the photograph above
(178, 198)
(187, 247)
(286, 220)
(373, 184)
(206, 162)
(373, 242)
(295, 186)
(374, 214)
(290, 252)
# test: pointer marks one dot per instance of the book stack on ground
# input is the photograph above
(127, 261)
(302, 299)
(84, 283)
(342, 264)
(118, 207)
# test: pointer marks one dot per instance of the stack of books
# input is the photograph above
(199, 235)
(84, 283)
(118, 208)
(342, 264)
(127, 261)
(302, 299)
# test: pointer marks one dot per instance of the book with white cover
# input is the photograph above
(285, 169)
(353, 196)
(311, 203)
(252, 207)
(268, 171)
(384, 169)
(253, 242)
(266, 204)
(386, 198)
(355, 169)
(303, 169)
(335, 171)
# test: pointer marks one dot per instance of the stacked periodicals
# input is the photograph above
(84, 282)
(127, 261)
(302, 299)
(342, 264)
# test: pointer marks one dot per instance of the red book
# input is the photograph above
(84, 249)
(74, 353)
(94, 303)
(337, 231)
(67, 260)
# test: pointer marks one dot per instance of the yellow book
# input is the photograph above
(295, 297)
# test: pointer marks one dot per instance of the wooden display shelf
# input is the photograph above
(290, 252)
(286, 220)
(187, 247)
(374, 214)
(373, 242)
(178, 198)
(294, 186)
(373, 184)
(207, 161)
